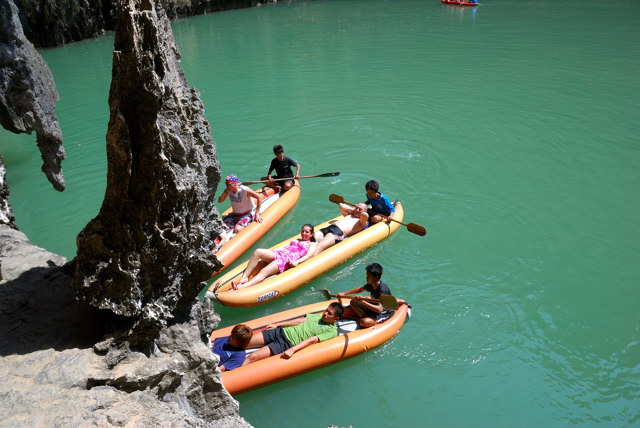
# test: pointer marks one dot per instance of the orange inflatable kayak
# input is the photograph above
(273, 207)
(291, 279)
(348, 344)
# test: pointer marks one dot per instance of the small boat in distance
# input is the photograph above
(351, 341)
(273, 207)
(460, 3)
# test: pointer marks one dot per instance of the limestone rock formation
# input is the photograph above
(55, 22)
(148, 253)
(133, 352)
(53, 375)
(6, 212)
(28, 93)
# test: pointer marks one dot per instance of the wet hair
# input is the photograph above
(372, 185)
(242, 334)
(374, 269)
(338, 309)
(310, 226)
(277, 149)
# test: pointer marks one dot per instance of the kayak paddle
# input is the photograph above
(326, 174)
(411, 227)
(387, 301)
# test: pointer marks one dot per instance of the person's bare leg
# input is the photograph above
(358, 309)
(259, 254)
(265, 272)
(349, 314)
(362, 315)
(326, 242)
(367, 322)
(260, 354)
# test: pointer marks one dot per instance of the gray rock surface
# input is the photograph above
(28, 93)
(6, 212)
(148, 253)
(133, 351)
(53, 375)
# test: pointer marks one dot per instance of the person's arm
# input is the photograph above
(374, 306)
(297, 171)
(390, 207)
(364, 217)
(223, 196)
(234, 361)
(252, 194)
(269, 177)
(289, 352)
(345, 209)
(287, 323)
(310, 252)
(272, 166)
(352, 291)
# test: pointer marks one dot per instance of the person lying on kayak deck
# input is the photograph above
(232, 349)
(290, 336)
(367, 313)
(354, 220)
(244, 211)
(282, 166)
(278, 260)
(379, 202)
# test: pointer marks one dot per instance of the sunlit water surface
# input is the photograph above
(509, 130)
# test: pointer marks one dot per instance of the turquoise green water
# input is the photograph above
(509, 130)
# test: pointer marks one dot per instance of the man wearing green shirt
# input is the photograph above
(288, 337)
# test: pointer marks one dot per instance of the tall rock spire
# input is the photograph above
(148, 252)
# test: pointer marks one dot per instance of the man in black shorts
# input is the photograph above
(354, 220)
(366, 312)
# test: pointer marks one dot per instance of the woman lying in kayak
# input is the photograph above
(279, 260)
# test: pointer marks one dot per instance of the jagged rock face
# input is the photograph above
(148, 253)
(28, 93)
(6, 212)
(55, 375)
(55, 22)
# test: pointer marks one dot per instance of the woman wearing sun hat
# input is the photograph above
(244, 210)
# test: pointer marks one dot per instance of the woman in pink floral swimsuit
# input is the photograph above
(278, 260)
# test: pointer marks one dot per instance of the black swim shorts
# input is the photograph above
(276, 340)
(335, 230)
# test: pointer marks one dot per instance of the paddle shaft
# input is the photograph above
(412, 227)
(326, 174)
(387, 301)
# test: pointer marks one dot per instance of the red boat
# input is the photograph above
(460, 2)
